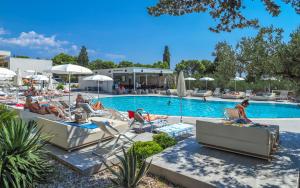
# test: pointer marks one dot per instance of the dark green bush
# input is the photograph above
(74, 86)
(146, 149)
(60, 86)
(164, 140)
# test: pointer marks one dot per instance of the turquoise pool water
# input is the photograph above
(197, 108)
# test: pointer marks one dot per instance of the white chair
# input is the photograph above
(217, 92)
(91, 112)
(248, 93)
(119, 140)
(283, 95)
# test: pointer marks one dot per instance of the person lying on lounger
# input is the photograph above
(150, 117)
(241, 108)
(6, 97)
(40, 109)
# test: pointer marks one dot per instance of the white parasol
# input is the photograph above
(206, 79)
(237, 78)
(190, 79)
(181, 90)
(98, 78)
(18, 82)
(70, 69)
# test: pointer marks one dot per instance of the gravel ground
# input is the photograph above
(64, 177)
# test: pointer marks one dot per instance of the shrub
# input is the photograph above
(129, 174)
(164, 140)
(146, 149)
(7, 114)
(60, 86)
(74, 86)
(23, 161)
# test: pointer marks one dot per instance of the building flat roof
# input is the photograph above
(135, 70)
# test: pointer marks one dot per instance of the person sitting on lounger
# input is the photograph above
(79, 99)
(241, 108)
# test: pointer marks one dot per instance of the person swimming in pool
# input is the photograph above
(241, 108)
(169, 102)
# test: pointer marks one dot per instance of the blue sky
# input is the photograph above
(118, 29)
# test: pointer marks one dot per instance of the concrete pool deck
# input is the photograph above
(192, 165)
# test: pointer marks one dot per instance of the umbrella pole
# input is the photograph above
(181, 109)
(70, 94)
(235, 85)
(17, 95)
(98, 89)
(189, 84)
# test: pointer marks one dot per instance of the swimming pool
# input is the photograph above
(197, 108)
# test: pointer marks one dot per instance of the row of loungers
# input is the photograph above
(231, 95)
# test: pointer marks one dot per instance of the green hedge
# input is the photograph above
(146, 149)
(60, 86)
(164, 140)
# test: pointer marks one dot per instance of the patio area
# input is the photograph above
(192, 165)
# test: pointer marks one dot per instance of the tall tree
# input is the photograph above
(210, 67)
(83, 58)
(99, 64)
(256, 55)
(288, 64)
(161, 65)
(228, 14)
(226, 68)
(191, 67)
(125, 64)
(167, 56)
(63, 58)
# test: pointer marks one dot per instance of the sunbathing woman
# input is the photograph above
(40, 109)
(98, 106)
(35, 107)
(150, 117)
(241, 108)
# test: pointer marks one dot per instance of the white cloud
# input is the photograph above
(115, 56)
(40, 43)
(34, 40)
(3, 31)
(74, 47)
